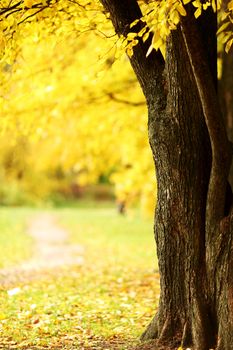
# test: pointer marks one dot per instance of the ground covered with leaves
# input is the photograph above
(103, 300)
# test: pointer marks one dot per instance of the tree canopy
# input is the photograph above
(49, 80)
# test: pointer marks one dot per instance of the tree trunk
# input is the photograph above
(181, 149)
(193, 230)
(226, 96)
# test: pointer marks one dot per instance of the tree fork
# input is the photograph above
(149, 71)
(181, 148)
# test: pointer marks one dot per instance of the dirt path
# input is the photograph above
(51, 252)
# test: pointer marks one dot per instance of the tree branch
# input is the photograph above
(221, 153)
(31, 15)
(10, 8)
(19, 6)
(149, 70)
(121, 100)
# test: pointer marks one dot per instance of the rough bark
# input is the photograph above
(180, 145)
(191, 154)
(226, 97)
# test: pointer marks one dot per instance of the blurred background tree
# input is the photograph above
(73, 114)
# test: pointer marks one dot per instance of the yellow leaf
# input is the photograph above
(181, 10)
(156, 37)
(175, 17)
(134, 23)
(165, 31)
(224, 15)
(129, 52)
(2, 42)
(219, 3)
(223, 27)
(197, 13)
(214, 5)
(196, 3)
(28, 3)
(142, 31)
(226, 37)
(206, 5)
(229, 45)
(145, 36)
(230, 5)
(131, 36)
(158, 44)
(134, 42)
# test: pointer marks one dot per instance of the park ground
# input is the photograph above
(76, 278)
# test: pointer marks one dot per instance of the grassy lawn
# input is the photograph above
(122, 240)
(103, 304)
(15, 244)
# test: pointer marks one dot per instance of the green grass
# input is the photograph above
(121, 239)
(108, 300)
(15, 244)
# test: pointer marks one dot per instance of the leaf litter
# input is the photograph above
(93, 305)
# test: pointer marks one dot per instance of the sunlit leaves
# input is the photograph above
(225, 32)
(226, 35)
(29, 3)
(198, 5)
(161, 17)
(57, 96)
(2, 44)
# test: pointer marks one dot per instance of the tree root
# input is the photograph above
(167, 335)
(187, 339)
(151, 331)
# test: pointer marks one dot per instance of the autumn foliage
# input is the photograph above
(71, 109)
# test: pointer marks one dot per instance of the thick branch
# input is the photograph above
(149, 70)
(221, 155)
